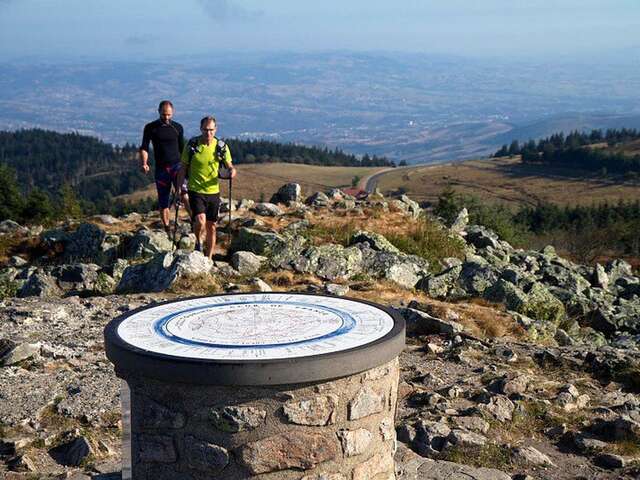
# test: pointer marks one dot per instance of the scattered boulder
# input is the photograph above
(421, 323)
(267, 209)
(40, 284)
(290, 192)
(481, 237)
(12, 353)
(318, 199)
(247, 263)
(146, 243)
(532, 456)
(72, 453)
(162, 271)
(375, 241)
(461, 221)
(258, 242)
(11, 227)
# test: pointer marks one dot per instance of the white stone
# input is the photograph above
(365, 403)
(355, 442)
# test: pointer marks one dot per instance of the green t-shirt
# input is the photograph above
(203, 166)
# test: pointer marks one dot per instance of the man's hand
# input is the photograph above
(233, 172)
(144, 160)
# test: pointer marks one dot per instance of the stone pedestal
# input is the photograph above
(332, 418)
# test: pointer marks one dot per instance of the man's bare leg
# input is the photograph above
(164, 216)
(185, 202)
(199, 227)
(211, 239)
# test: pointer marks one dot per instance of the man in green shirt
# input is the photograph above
(201, 159)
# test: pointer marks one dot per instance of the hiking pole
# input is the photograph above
(176, 200)
(230, 206)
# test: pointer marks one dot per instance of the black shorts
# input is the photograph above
(207, 203)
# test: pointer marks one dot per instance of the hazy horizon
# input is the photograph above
(152, 30)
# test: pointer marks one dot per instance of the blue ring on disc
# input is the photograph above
(348, 323)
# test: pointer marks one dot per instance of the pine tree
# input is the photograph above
(11, 202)
(69, 204)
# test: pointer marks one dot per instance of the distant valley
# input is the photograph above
(415, 108)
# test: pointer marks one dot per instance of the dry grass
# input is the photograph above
(487, 456)
(487, 320)
(197, 285)
(258, 181)
(507, 181)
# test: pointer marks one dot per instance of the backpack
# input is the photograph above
(221, 153)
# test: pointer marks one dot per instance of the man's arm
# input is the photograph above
(181, 142)
(143, 152)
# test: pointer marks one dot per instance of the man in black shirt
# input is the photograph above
(167, 138)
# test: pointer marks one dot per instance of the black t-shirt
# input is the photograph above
(167, 140)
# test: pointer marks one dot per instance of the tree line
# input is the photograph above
(575, 151)
(51, 175)
(265, 151)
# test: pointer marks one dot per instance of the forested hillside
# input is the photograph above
(49, 174)
(614, 151)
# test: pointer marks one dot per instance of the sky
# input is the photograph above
(155, 29)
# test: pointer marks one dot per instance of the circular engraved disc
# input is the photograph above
(270, 332)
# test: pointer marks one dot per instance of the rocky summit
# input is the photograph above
(519, 364)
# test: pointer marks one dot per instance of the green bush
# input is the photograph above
(429, 240)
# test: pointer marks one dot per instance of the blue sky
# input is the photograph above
(145, 29)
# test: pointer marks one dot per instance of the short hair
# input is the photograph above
(165, 103)
(208, 119)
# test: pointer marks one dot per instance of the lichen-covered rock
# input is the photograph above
(247, 263)
(267, 209)
(258, 242)
(442, 285)
(404, 270)
(162, 271)
(481, 237)
(508, 293)
(475, 278)
(146, 243)
(374, 240)
(542, 305)
(330, 262)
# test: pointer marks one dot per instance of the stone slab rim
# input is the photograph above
(132, 361)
